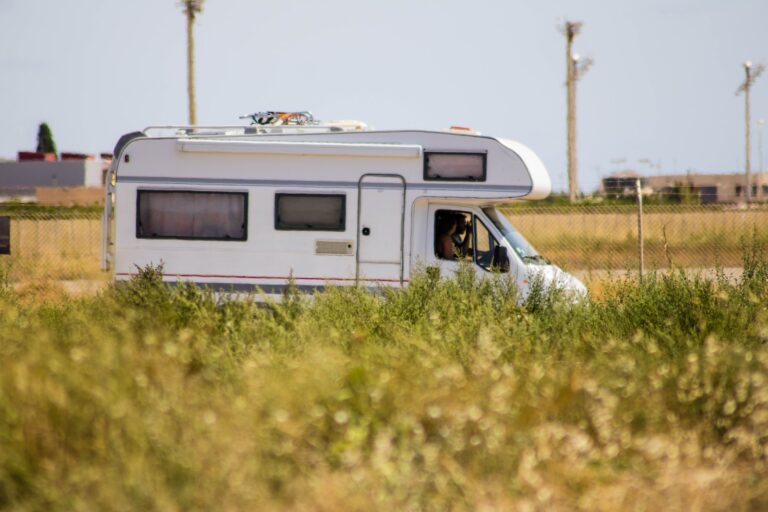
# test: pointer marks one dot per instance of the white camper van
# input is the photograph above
(249, 208)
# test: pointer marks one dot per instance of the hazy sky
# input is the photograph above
(662, 87)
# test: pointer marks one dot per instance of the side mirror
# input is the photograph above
(501, 258)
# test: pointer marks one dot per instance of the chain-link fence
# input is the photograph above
(65, 244)
(56, 244)
(586, 238)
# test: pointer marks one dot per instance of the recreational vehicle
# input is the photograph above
(250, 208)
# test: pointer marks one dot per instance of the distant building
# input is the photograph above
(20, 179)
(623, 184)
(708, 188)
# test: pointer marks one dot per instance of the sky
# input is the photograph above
(660, 97)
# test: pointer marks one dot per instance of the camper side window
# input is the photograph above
(454, 166)
(192, 215)
(310, 212)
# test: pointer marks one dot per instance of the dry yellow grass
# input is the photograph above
(53, 249)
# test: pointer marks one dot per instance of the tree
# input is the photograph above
(191, 9)
(45, 143)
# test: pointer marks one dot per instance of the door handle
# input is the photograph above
(366, 231)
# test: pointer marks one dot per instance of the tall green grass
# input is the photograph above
(450, 395)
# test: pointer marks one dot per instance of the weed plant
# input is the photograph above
(449, 395)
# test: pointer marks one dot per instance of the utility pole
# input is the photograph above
(191, 9)
(751, 76)
(640, 247)
(575, 69)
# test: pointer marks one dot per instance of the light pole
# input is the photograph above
(751, 74)
(575, 69)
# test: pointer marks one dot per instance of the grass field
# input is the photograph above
(449, 395)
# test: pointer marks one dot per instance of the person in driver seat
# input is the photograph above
(444, 246)
(462, 236)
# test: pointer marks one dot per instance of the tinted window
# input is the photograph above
(192, 215)
(310, 212)
(454, 166)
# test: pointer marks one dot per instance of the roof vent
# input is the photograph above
(348, 125)
(463, 129)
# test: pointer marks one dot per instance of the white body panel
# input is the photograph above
(388, 227)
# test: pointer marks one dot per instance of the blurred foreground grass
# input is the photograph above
(445, 396)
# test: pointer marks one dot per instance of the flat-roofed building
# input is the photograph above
(709, 188)
(20, 179)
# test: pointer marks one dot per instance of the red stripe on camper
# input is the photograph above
(283, 278)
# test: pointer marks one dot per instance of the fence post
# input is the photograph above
(639, 190)
(5, 234)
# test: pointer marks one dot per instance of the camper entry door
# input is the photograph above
(380, 225)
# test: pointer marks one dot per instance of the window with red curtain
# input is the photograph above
(192, 215)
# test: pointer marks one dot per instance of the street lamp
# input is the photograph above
(751, 73)
(761, 162)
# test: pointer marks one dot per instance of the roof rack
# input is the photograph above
(302, 118)
(262, 123)
(235, 131)
(226, 131)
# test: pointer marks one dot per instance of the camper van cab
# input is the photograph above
(251, 208)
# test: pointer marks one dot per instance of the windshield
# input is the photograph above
(520, 245)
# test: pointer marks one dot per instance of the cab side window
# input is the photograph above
(453, 235)
(485, 246)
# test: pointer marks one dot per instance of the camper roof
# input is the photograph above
(513, 170)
